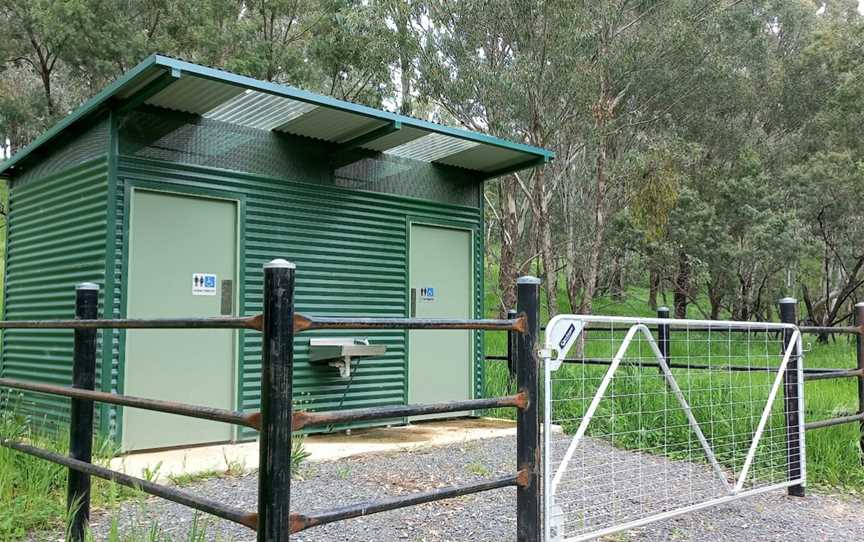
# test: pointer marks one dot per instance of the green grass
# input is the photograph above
(150, 532)
(33, 491)
(833, 456)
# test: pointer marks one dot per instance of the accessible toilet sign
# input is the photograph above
(203, 284)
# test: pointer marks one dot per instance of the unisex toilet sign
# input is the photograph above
(203, 284)
(427, 293)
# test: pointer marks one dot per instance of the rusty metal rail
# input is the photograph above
(192, 501)
(300, 522)
(305, 323)
(252, 420)
(307, 419)
(834, 421)
(834, 373)
(218, 322)
(816, 371)
(832, 330)
(276, 420)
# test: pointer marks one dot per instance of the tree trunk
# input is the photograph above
(508, 270)
(616, 281)
(715, 298)
(404, 58)
(602, 112)
(653, 287)
(682, 285)
(547, 250)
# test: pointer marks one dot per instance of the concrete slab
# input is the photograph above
(163, 465)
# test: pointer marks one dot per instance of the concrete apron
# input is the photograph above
(163, 465)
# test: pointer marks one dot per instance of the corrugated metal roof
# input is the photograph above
(216, 94)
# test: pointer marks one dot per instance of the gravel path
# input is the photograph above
(488, 516)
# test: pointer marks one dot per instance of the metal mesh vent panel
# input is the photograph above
(89, 144)
(156, 133)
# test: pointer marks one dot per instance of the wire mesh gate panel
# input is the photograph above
(647, 419)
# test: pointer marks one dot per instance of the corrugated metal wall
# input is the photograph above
(350, 248)
(56, 240)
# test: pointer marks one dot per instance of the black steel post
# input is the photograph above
(81, 412)
(859, 321)
(511, 350)
(663, 335)
(277, 364)
(528, 418)
(788, 315)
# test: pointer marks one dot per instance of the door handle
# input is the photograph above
(413, 313)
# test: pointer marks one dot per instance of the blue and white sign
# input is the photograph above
(427, 293)
(203, 284)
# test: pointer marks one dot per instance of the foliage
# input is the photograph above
(689, 135)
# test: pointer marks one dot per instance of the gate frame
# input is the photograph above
(558, 342)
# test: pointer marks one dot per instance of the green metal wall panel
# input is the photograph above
(56, 240)
(350, 248)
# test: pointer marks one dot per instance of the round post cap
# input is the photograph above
(860, 305)
(788, 300)
(527, 279)
(279, 263)
(663, 309)
(87, 286)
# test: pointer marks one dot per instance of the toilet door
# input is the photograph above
(182, 263)
(440, 279)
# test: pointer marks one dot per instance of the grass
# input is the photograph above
(833, 456)
(151, 532)
(33, 491)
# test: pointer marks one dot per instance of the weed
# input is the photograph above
(298, 454)
(32, 490)
(343, 471)
(478, 469)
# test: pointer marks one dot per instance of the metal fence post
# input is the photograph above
(663, 335)
(859, 340)
(511, 351)
(528, 418)
(277, 364)
(81, 412)
(788, 315)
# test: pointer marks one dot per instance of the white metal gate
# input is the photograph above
(648, 418)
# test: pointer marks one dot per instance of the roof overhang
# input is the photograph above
(224, 96)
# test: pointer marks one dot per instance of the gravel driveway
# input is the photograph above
(484, 517)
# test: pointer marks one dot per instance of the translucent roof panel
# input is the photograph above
(258, 110)
(432, 147)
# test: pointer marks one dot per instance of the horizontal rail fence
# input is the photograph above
(273, 520)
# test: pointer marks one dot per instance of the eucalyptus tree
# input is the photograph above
(507, 68)
(35, 35)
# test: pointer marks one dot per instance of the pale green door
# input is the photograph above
(182, 251)
(440, 361)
